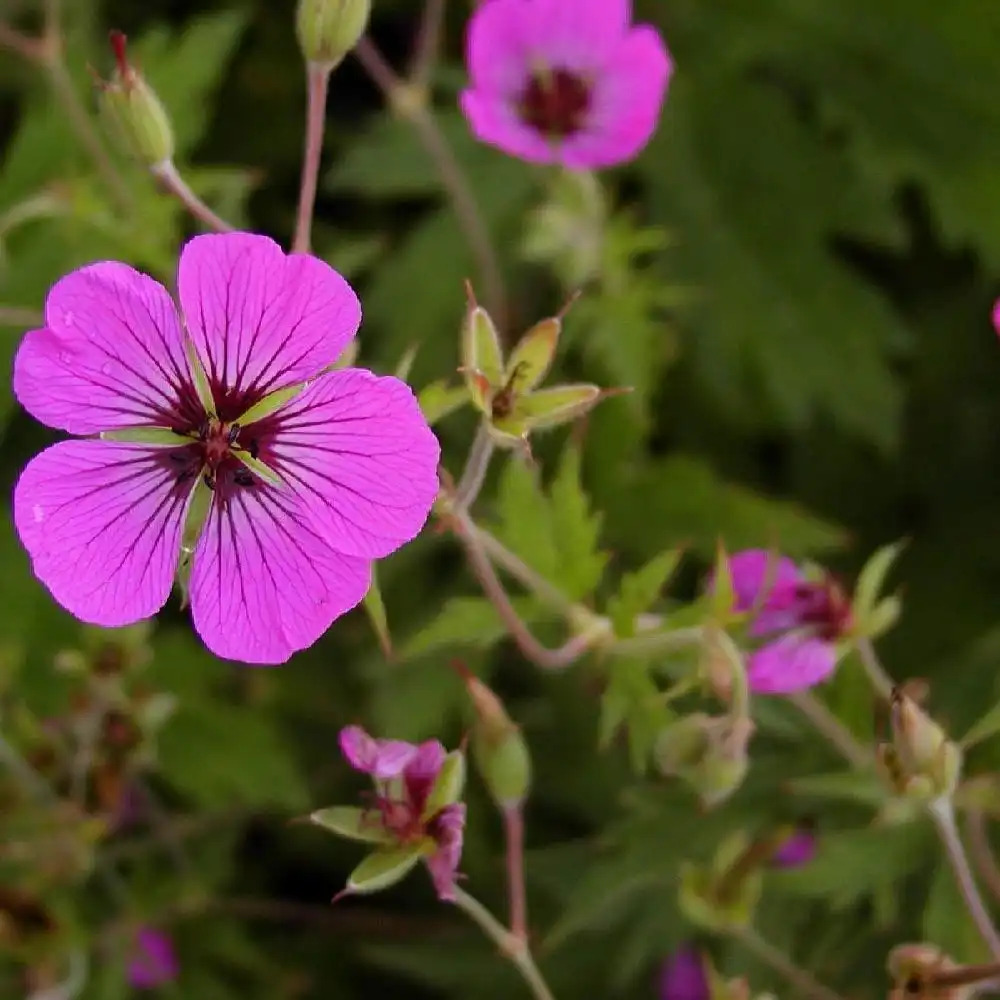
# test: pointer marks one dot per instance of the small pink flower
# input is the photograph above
(683, 976)
(564, 81)
(996, 316)
(152, 962)
(798, 621)
(799, 849)
(404, 776)
(305, 492)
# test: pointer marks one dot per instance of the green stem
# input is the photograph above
(880, 680)
(317, 85)
(943, 815)
(784, 966)
(409, 102)
(659, 642)
(476, 467)
(513, 824)
(829, 726)
(166, 173)
(514, 949)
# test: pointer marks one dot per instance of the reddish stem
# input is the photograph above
(513, 822)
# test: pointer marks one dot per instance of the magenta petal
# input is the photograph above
(102, 523)
(498, 47)
(264, 581)
(382, 759)
(448, 831)
(627, 100)
(153, 961)
(576, 35)
(753, 569)
(996, 316)
(260, 319)
(494, 121)
(111, 354)
(799, 849)
(360, 454)
(791, 663)
(683, 976)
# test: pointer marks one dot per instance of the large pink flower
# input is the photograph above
(304, 486)
(564, 81)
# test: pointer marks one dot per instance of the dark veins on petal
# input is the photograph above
(556, 103)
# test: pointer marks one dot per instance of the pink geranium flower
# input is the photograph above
(564, 81)
(798, 849)
(152, 961)
(797, 621)
(303, 475)
(404, 775)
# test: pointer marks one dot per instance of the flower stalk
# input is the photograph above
(317, 87)
(514, 949)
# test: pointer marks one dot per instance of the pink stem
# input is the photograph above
(317, 86)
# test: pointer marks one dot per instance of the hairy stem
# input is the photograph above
(981, 849)
(530, 647)
(943, 815)
(425, 52)
(514, 949)
(166, 173)
(784, 966)
(829, 726)
(513, 824)
(476, 467)
(317, 86)
(408, 102)
(880, 680)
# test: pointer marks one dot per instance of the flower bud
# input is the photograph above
(922, 970)
(329, 29)
(134, 111)
(709, 753)
(499, 749)
(921, 762)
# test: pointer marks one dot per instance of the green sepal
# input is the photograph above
(352, 823)
(271, 403)
(201, 384)
(448, 786)
(157, 436)
(375, 609)
(481, 350)
(386, 866)
(866, 609)
(532, 356)
(550, 408)
(438, 399)
(258, 468)
(723, 596)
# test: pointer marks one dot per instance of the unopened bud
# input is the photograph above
(499, 749)
(132, 109)
(922, 971)
(709, 753)
(329, 29)
(921, 762)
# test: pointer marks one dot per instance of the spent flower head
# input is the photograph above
(217, 444)
(794, 621)
(415, 813)
(505, 390)
(564, 81)
(152, 961)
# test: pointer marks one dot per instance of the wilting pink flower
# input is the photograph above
(683, 976)
(798, 621)
(797, 850)
(404, 776)
(152, 962)
(564, 81)
(309, 474)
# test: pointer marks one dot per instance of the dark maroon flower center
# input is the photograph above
(556, 103)
(823, 608)
(400, 818)
(214, 454)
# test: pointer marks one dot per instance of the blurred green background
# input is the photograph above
(796, 277)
